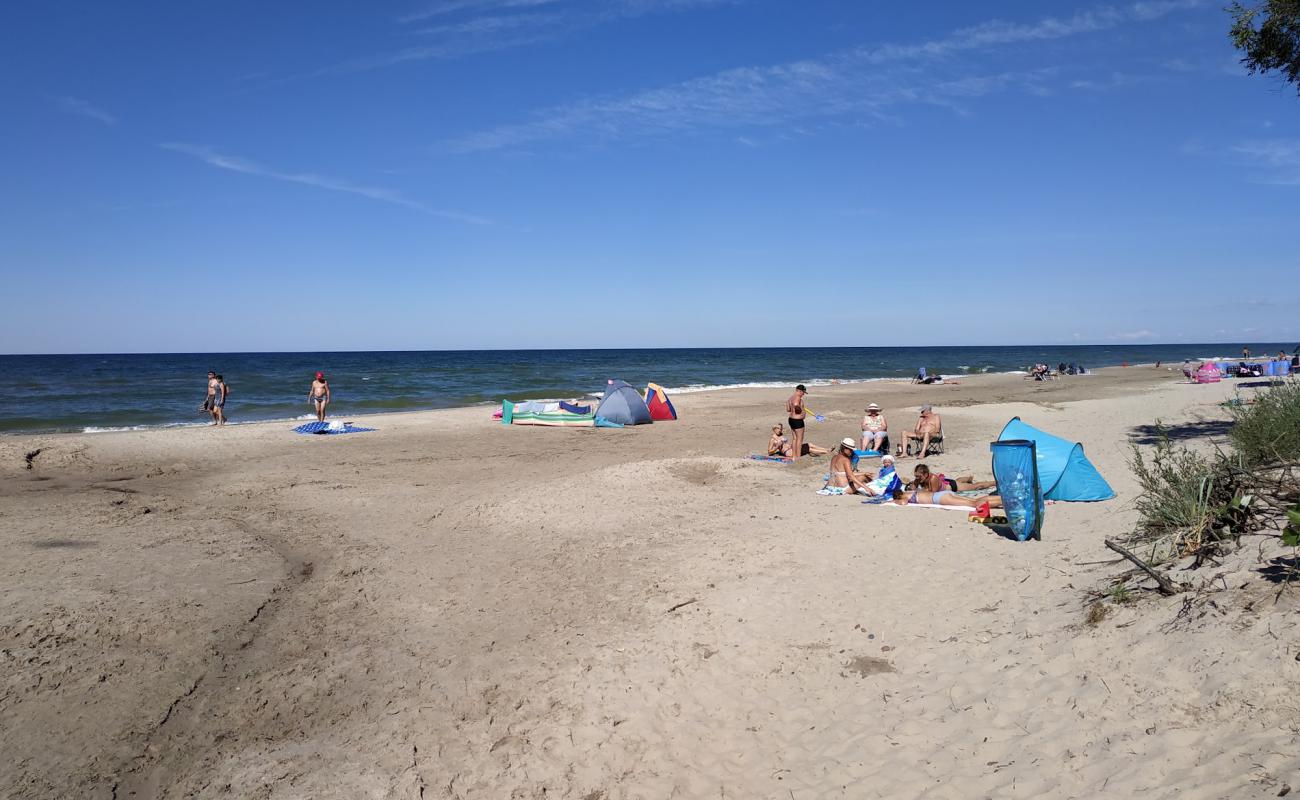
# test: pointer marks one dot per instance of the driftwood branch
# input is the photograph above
(1166, 586)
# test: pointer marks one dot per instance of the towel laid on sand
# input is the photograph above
(324, 429)
(777, 459)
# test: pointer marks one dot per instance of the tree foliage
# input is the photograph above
(1269, 34)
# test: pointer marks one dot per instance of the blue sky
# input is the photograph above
(445, 174)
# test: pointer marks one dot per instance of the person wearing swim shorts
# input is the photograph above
(796, 413)
(219, 409)
(320, 395)
(928, 425)
(210, 400)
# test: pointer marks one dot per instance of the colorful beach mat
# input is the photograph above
(324, 429)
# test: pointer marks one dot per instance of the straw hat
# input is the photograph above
(849, 443)
(872, 407)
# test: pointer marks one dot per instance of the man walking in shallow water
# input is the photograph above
(795, 413)
(209, 406)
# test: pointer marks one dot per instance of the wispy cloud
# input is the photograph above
(1132, 336)
(83, 108)
(247, 167)
(863, 81)
(457, 28)
(1274, 161)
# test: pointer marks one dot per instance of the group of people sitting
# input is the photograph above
(875, 433)
(925, 487)
(1042, 372)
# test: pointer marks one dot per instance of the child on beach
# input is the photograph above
(320, 395)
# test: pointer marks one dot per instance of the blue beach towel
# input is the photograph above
(323, 429)
(777, 459)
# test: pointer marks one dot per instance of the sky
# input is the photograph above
(462, 174)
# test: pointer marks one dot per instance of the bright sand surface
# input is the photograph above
(448, 607)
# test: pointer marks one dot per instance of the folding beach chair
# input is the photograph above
(935, 448)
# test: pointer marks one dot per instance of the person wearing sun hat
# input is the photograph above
(320, 395)
(843, 480)
(874, 429)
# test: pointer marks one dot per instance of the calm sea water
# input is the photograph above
(107, 392)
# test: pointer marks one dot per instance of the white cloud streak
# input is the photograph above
(863, 81)
(247, 167)
(1275, 161)
(83, 108)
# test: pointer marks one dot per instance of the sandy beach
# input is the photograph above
(452, 608)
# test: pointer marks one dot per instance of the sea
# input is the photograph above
(93, 393)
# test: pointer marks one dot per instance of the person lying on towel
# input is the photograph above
(904, 497)
(843, 479)
(779, 445)
(923, 478)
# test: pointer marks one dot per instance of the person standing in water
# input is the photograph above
(320, 395)
(210, 400)
(219, 409)
(796, 413)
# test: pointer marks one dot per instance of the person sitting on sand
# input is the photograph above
(779, 445)
(843, 479)
(903, 497)
(874, 428)
(923, 478)
(928, 426)
(320, 395)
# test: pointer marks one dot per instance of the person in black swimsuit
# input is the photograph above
(796, 413)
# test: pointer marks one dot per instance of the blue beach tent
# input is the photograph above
(1064, 472)
(623, 404)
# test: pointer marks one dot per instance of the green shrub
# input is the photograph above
(1182, 497)
(1268, 430)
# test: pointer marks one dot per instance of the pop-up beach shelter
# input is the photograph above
(622, 404)
(656, 399)
(1064, 472)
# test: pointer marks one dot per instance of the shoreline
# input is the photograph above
(830, 384)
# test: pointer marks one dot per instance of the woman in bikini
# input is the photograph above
(779, 445)
(945, 498)
(923, 478)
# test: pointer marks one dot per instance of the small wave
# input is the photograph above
(113, 428)
(715, 387)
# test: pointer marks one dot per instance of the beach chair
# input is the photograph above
(935, 448)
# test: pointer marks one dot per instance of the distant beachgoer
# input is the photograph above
(219, 411)
(945, 498)
(929, 425)
(796, 413)
(1060, 368)
(920, 376)
(874, 428)
(210, 401)
(843, 479)
(1189, 371)
(923, 478)
(320, 395)
(779, 445)
(1245, 352)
